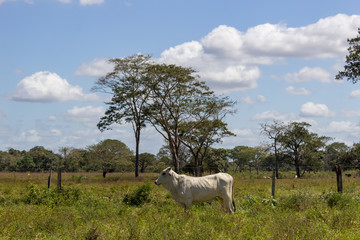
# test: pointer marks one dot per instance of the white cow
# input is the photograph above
(186, 190)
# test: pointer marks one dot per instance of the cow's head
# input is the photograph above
(165, 176)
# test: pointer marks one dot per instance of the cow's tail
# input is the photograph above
(233, 201)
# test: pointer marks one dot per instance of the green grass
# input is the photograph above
(122, 207)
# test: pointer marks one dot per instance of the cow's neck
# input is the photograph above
(172, 186)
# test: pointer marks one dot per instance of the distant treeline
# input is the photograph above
(115, 156)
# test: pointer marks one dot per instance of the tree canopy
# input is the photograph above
(127, 84)
(352, 67)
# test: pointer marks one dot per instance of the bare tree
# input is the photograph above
(273, 131)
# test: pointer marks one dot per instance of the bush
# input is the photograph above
(298, 202)
(340, 200)
(139, 196)
(50, 196)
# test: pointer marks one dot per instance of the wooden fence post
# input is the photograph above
(338, 171)
(49, 179)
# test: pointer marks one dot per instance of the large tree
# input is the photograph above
(217, 159)
(239, 158)
(300, 142)
(335, 153)
(146, 160)
(110, 155)
(44, 159)
(352, 67)
(173, 90)
(206, 127)
(130, 95)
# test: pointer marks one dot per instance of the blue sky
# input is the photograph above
(277, 59)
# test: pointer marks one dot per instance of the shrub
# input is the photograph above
(340, 200)
(298, 201)
(50, 196)
(139, 196)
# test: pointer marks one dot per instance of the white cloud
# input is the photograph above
(341, 129)
(91, 2)
(64, 1)
(248, 100)
(322, 39)
(55, 132)
(232, 78)
(31, 136)
(311, 109)
(308, 74)
(49, 87)
(88, 115)
(355, 94)
(261, 98)
(298, 91)
(351, 113)
(223, 41)
(343, 126)
(274, 115)
(96, 68)
(228, 59)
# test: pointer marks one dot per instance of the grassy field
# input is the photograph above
(122, 207)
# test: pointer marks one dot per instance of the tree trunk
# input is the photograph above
(104, 174)
(338, 171)
(273, 183)
(49, 179)
(197, 168)
(59, 179)
(276, 160)
(297, 164)
(137, 139)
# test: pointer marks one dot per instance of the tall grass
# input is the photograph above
(90, 207)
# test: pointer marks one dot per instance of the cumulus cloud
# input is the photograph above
(49, 87)
(307, 41)
(96, 68)
(91, 2)
(228, 58)
(88, 115)
(232, 78)
(311, 109)
(308, 74)
(297, 91)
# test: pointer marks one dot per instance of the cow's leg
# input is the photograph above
(187, 205)
(227, 203)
